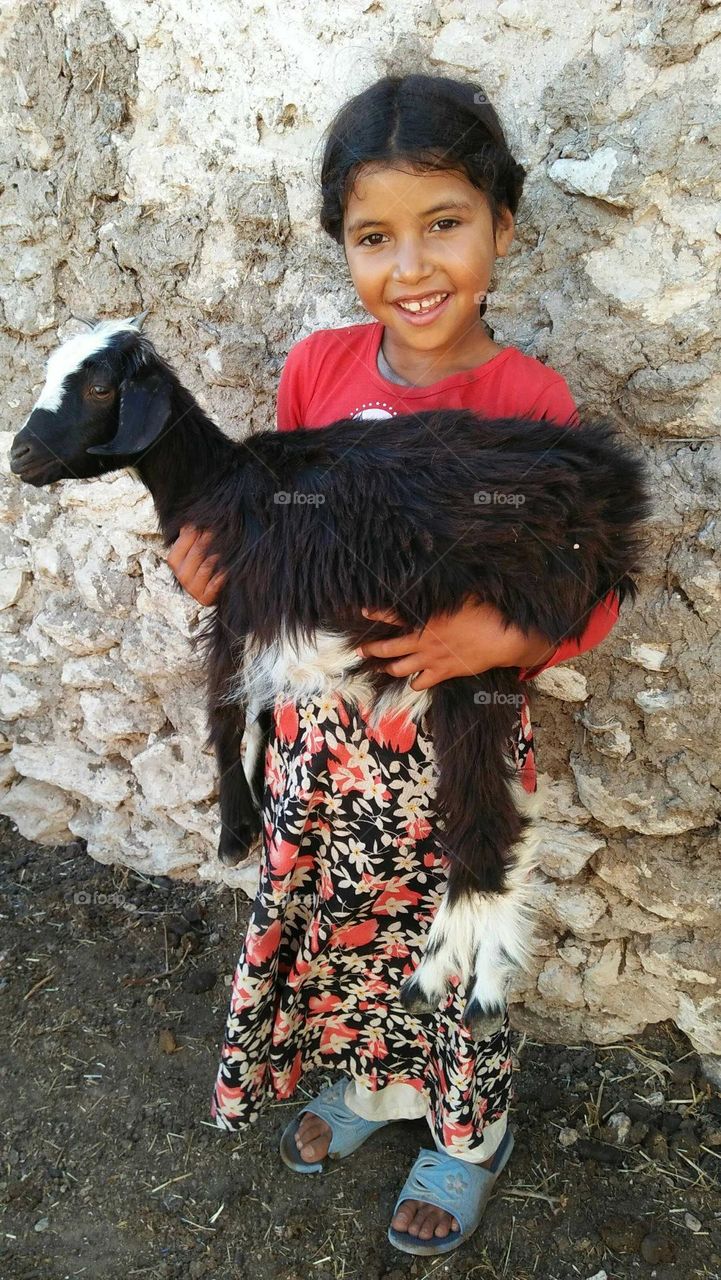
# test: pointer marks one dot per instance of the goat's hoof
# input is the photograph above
(235, 847)
(414, 1001)
(483, 1020)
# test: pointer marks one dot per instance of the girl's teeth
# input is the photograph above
(423, 306)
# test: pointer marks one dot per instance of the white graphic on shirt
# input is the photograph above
(373, 410)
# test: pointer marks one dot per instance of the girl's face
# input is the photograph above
(412, 235)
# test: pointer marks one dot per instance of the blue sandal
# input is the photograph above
(349, 1130)
(457, 1187)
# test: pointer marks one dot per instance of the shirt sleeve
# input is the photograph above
(601, 621)
(556, 404)
(289, 406)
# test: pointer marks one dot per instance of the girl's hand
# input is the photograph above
(468, 642)
(191, 566)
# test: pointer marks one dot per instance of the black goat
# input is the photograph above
(417, 514)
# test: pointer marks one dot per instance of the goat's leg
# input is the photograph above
(239, 817)
(482, 929)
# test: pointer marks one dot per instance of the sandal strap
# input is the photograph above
(347, 1128)
(453, 1185)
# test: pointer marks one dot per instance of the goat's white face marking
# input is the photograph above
(69, 356)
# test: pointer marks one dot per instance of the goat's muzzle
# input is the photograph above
(32, 461)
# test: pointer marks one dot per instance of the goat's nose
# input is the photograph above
(19, 449)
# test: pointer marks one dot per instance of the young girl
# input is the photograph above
(419, 187)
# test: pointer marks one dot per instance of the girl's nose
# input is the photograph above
(411, 264)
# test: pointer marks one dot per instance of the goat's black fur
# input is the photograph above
(396, 527)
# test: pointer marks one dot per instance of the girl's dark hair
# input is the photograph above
(429, 122)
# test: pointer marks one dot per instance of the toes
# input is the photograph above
(312, 1137)
(423, 1220)
(403, 1217)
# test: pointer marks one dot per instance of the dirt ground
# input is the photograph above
(113, 997)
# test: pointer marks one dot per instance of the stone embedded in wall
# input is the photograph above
(11, 584)
(653, 657)
(653, 808)
(675, 882)
(71, 769)
(564, 683)
(563, 851)
(573, 907)
(560, 982)
(607, 174)
(173, 774)
(20, 697)
(40, 812)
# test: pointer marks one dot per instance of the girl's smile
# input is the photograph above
(413, 236)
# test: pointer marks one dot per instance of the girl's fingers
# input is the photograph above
(196, 558)
(398, 646)
(424, 680)
(182, 546)
(213, 589)
(404, 666)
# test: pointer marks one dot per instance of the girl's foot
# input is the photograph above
(425, 1220)
(419, 1219)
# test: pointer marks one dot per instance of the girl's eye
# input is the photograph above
(454, 222)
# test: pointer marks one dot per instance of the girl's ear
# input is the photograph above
(504, 231)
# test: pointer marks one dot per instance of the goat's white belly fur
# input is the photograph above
(327, 664)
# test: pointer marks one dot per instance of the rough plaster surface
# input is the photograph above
(163, 155)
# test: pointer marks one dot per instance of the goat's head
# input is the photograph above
(105, 401)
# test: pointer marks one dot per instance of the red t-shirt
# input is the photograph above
(334, 374)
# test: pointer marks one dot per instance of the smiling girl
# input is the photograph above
(419, 187)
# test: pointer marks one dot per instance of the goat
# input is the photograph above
(417, 514)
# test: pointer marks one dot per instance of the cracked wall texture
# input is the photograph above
(165, 155)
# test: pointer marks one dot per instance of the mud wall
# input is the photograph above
(164, 156)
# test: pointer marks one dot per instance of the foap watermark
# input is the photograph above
(496, 497)
(284, 498)
(485, 699)
(85, 899)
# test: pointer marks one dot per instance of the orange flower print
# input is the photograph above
(351, 936)
(286, 722)
(261, 944)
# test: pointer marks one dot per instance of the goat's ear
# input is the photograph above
(144, 413)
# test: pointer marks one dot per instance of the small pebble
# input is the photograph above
(637, 1133)
(655, 1099)
(567, 1137)
(166, 1041)
(42, 1224)
(619, 1127)
(657, 1146)
(692, 1222)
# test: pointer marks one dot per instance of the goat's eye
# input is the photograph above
(99, 389)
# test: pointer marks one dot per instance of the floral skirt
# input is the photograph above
(350, 879)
